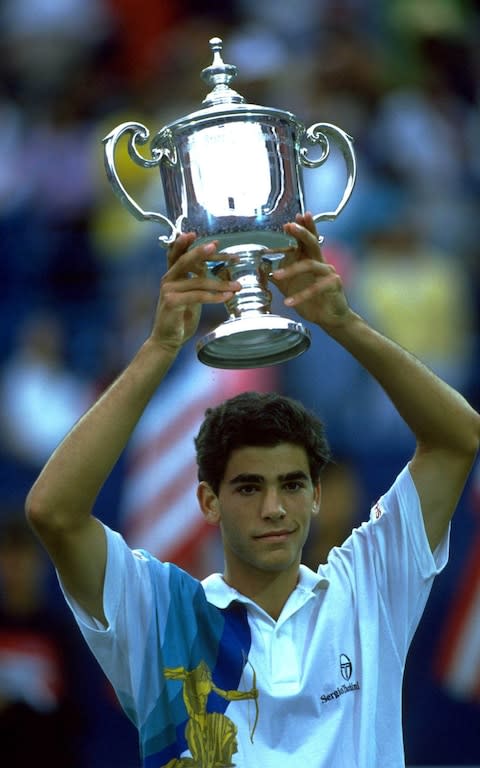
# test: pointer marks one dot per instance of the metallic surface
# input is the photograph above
(233, 172)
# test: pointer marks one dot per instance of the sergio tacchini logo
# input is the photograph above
(346, 668)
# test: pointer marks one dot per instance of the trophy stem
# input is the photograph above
(252, 337)
(251, 270)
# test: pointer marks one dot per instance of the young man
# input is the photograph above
(271, 664)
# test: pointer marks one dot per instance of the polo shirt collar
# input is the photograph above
(220, 594)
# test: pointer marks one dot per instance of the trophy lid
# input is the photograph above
(219, 76)
(222, 101)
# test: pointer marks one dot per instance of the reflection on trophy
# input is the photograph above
(232, 172)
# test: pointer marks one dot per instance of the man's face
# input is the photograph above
(264, 508)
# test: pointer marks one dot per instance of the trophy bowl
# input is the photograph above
(232, 172)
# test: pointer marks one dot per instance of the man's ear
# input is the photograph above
(209, 504)
(317, 497)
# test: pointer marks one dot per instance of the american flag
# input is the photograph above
(159, 508)
(458, 659)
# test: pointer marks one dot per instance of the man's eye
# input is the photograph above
(294, 485)
(247, 490)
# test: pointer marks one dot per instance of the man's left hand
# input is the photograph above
(309, 284)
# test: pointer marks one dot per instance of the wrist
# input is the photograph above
(160, 351)
(343, 327)
(149, 366)
(362, 341)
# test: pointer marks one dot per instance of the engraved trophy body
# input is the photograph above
(232, 172)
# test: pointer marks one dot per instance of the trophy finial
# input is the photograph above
(219, 76)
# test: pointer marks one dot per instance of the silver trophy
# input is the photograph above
(232, 172)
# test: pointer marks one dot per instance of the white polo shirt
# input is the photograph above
(208, 676)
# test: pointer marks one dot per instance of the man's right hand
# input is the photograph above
(184, 288)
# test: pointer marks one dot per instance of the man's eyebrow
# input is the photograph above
(246, 477)
(298, 474)
(250, 477)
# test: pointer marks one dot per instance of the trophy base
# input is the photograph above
(253, 342)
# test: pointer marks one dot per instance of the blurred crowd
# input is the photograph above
(79, 276)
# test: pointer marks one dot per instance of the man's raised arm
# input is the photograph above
(59, 505)
(446, 428)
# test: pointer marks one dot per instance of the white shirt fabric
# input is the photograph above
(328, 672)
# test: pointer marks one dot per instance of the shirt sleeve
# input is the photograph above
(389, 562)
(128, 609)
(404, 519)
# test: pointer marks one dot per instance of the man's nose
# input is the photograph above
(272, 506)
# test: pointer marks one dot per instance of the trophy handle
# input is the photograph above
(320, 133)
(138, 134)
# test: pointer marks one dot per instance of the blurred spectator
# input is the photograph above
(39, 720)
(140, 35)
(323, 379)
(436, 322)
(45, 42)
(340, 511)
(41, 396)
(422, 130)
(420, 297)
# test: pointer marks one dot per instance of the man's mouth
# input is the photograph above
(275, 535)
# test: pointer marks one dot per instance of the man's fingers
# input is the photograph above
(187, 282)
(182, 298)
(210, 284)
(183, 260)
(328, 284)
(306, 220)
(304, 267)
(188, 291)
(181, 244)
(305, 233)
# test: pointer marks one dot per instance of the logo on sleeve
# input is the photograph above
(376, 512)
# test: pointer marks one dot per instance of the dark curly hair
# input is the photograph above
(257, 419)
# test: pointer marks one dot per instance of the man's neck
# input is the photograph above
(269, 590)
